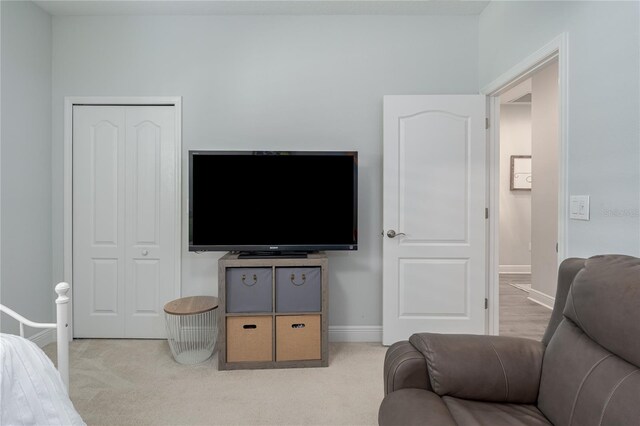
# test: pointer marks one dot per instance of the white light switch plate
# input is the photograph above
(579, 207)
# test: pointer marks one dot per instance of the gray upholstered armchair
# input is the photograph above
(584, 372)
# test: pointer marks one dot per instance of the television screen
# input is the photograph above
(273, 201)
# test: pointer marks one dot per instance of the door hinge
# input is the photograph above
(486, 122)
(486, 303)
(486, 213)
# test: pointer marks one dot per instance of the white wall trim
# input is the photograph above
(44, 337)
(515, 269)
(556, 48)
(69, 102)
(541, 298)
(493, 198)
(527, 67)
(355, 333)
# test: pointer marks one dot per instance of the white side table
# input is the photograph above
(192, 328)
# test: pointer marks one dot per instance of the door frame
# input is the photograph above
(558, 48)
(69, 103)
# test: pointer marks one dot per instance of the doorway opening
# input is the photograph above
(527, 187)
(528, 219)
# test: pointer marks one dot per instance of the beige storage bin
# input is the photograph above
(249, 338)
(298, 337)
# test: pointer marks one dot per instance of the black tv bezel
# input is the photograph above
(273, 249)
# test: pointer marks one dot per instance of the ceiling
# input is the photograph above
(263, 7)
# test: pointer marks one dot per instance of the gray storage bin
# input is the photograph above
(298, 290)
(249, 290)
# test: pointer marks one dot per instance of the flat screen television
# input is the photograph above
(273, 202)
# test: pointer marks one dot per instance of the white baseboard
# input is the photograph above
(514, 269)
(355, 333)
(44, 337)
(541, 298)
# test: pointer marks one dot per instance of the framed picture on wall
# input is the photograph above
(521, 173)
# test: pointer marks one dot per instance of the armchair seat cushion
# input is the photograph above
(477, 413)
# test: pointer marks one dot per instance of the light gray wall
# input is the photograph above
(515, 206)
(604, 105)
(544, 188)
(270, 82)
(25, 278)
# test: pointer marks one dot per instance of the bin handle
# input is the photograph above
(293, 279)
(255, 280)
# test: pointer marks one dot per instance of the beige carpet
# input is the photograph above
(137, 382)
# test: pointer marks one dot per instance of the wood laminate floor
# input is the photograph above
(519, 316)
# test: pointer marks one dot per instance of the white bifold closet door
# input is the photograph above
(124, 219)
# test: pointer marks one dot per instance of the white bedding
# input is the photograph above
(31, 390)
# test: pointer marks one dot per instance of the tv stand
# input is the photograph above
(273, 311)
(272, 254)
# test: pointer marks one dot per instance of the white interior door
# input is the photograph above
(124, 219)
(434, 186)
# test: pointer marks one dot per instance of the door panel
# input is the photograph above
(434, 182)
(421, 218)
(104, 166)
(147, 283)
(105, 286)
(433, 288)
(124, 219)
(146, 182)
(150, 194)
(98, 218)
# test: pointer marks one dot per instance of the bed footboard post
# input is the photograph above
(62, 303)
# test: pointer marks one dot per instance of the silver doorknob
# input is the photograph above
(392, 234)
(145, 252)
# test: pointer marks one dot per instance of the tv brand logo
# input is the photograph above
(273, 248)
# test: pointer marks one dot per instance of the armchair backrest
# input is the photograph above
(590, 371)
(604, 301)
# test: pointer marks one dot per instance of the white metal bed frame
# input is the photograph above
(61, 326)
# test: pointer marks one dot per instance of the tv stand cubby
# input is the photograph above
(273, 312)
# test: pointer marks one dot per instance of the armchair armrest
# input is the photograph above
(404, 367)
(486, 368)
